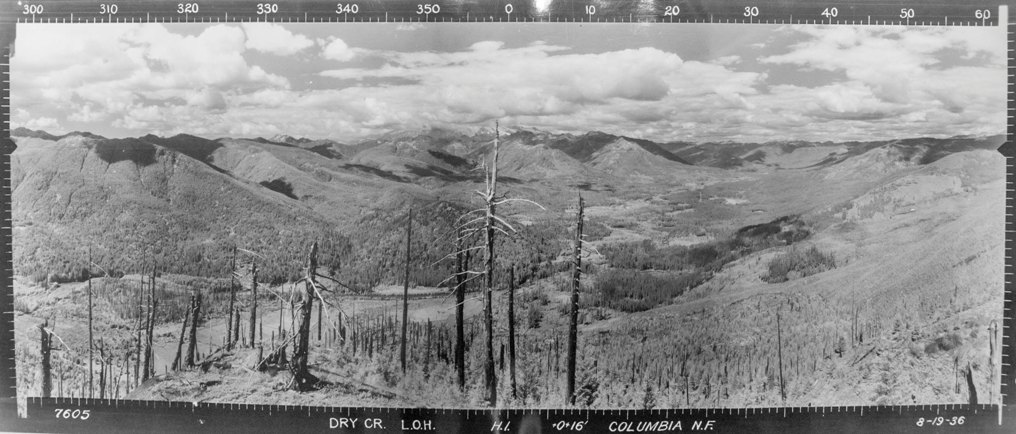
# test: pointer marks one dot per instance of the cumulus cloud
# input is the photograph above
(128, 73)
(42, 123)
(863, 83)
(540, 85)
(274, 39)
(908, 79)
(336, 49)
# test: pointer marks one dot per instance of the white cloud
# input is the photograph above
(867, 84)
(336, 49)
(42, 123)
(909, 80)
(539, 85)
(110, 72)
(274, 39)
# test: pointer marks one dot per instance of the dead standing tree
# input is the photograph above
(405, 290)
(461, 264)
(153, 304)
(779, 347)
(253, 299)
(183, 331)
(45, 347)
(91, 343)
(582, 247)
(574, 315)
(302, 378)
(232, 301)
(487, 223)
(195, 319)
(511, 329)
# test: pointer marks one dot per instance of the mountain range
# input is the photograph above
(181, 199)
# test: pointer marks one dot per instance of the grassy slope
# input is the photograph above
(901, 272)
(67, 197)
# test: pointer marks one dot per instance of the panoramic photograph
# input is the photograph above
(510, 216)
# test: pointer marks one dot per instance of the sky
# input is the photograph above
(688, 82)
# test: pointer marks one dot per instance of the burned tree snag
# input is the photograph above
(779, 352)
(490, 379)
(91, 343)
(232, 301)
(971, 388)
(302, 378)
(405, 291)
(236, 326)
(574, 315)
(45, 340)
(153, 303)
(253, 300)
(511, 328)
(183, 330)
(460, 300)
(195, 316)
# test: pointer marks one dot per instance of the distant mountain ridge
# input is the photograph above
(918, 150)
(181, 198)
(448, 155)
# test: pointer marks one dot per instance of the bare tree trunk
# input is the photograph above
(253, 300)
(102, 370)
(60, 381)
(779, 352)
(137, 358)
(232, 300)
(91, 344)
(460, 300)
(970, 385)
(183, 330)
(511, 328)
(490, 379)
(426, 360)
(405, 291)
(45, 341)
(195, 318)
(144, 333)
(992, 348)
(320, 319)
(236, 326)
(116, 391)
(687, 391)
(149, 365)
(573, 320)
(302, 379)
